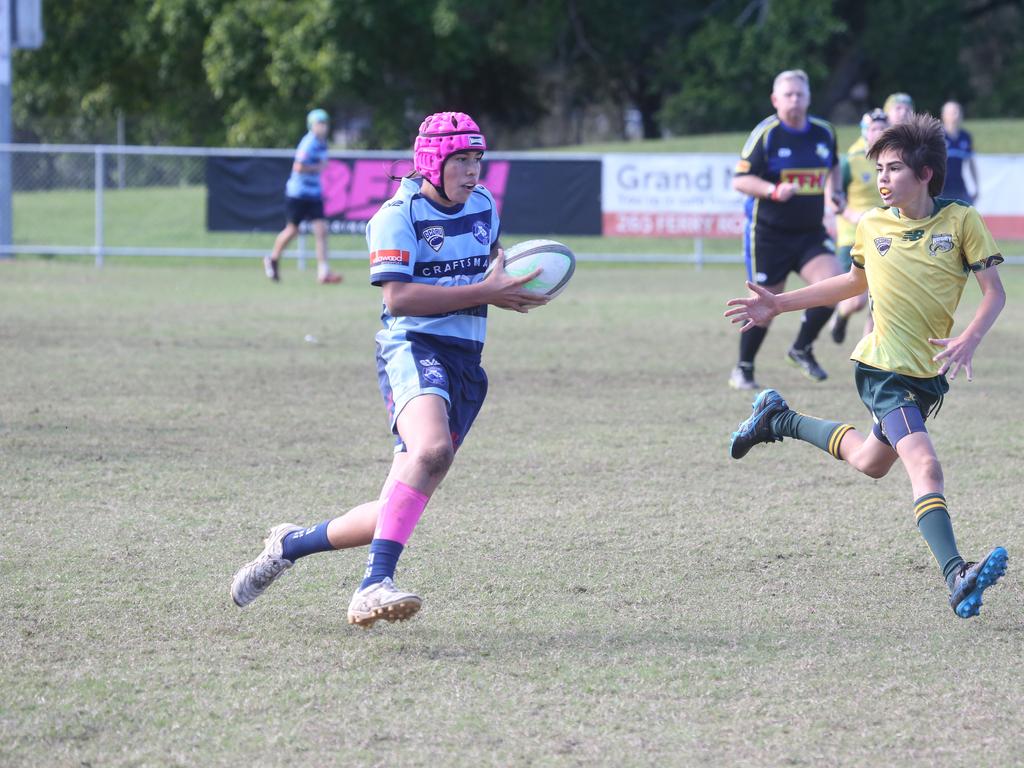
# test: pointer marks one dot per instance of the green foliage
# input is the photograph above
(725, 69)
(244, 72)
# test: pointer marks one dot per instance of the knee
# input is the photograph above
(930, 469)
(435, 460)
(877, 471)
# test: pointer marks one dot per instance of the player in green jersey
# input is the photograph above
(915, 255)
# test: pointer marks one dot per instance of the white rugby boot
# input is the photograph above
(254, 577)
(382, 601)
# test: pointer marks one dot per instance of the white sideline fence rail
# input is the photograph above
(105, 169)
(102, 168)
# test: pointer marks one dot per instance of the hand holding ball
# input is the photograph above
(556, 262)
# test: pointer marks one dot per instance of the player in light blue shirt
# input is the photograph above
(304, 200)
(430, 247)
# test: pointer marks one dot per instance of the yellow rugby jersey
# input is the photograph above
(858, 174)
(916, 271)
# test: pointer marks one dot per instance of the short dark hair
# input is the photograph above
(920, 143)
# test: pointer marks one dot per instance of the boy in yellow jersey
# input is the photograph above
(857, 172)
(915, 255)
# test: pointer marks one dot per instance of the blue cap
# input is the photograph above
(316, 116)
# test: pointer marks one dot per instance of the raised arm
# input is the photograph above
(763, 305)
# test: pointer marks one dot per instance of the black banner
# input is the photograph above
(554, 197)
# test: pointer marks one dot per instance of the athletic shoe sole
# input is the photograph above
(397, 611)
(991, 572)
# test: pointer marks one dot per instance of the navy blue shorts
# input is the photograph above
(410, 367)
(300, 209)
(772, 254)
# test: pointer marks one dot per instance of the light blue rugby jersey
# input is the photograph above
(413, 240)
(307, 185)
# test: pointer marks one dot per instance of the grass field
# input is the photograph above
(602, 585)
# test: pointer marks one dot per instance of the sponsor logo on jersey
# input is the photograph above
(785, 151)
(940, 244)
(912, 235)
(389, 256)
(434, 237)
(822, 151)
(471, 265)
(394, 204)
(808, 181)
(481, 232)
(882, 245)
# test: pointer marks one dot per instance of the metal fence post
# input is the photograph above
(698, 252)
(302, 250)
(6, 206)
(98, 242)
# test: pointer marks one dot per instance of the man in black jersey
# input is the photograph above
(787, 168)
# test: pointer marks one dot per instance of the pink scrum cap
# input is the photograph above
(441, 135)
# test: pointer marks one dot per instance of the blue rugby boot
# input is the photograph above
(757, 428)
(974, 578)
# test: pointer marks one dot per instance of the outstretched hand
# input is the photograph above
(957, 353)
(507, 291)
(755, 310)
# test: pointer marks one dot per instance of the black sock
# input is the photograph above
(750, 342)
(813, 321)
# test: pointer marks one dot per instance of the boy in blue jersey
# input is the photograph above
(430, 246)
(304, 200)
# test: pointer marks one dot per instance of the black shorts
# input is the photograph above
(771, 254)
(300, 209)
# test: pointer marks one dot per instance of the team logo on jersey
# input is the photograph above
(481, 232)
(822, 151)
(434, 237)
(912, 235)
(882, 245)
(940, 244)
(432, 372)
(785, 151)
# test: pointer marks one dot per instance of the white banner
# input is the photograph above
(691, 195)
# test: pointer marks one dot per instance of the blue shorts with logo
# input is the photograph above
(421, 364)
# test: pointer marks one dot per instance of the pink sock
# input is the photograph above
(399, 513)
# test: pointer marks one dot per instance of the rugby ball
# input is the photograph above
(556, 260)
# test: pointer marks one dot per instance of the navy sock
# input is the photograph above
(382, 561)
(750, 343)
(814, 320)
(306, 542)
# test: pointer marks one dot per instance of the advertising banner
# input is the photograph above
(664, 195)
(534, 196)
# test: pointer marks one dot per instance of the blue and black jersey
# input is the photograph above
(779, 154)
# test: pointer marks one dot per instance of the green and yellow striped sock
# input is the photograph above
(933, 521)
(827, 435)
